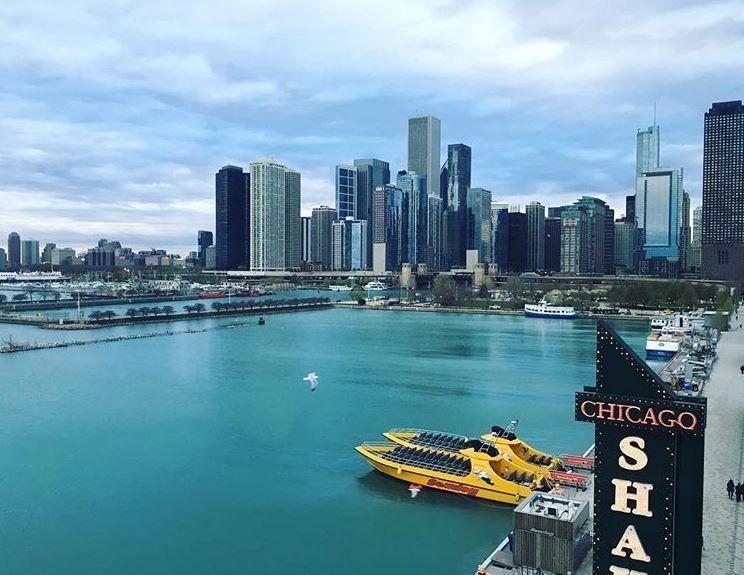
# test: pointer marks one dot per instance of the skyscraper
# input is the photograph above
(684, 232)
(3, 259)
(478, 224)
(647, 150)
(321, 241)
(517, 262)
(553, 244)
(694, 258)
(275, 233)
(371, 174)
(535, 236)
(500, 236)
(625, 246)
(204, 239)
(609, 242)
(29, 252)
(424, 143)
(459, 170)
(434, 232)
(658, 211)
(414, 186)
(583, 232)
(232, 222)
(346, 192)
(292, 220)
(350, 244)
(723, 192)
(46, 253)
(14, 249)
(390, 247)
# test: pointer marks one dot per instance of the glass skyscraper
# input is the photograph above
(350, 245)
(500, 236)
(647, 149)
(658, 209)
(414, 186)
(391, 228)
(424, 144)
(321, 237)
(478, 223)
(535, 236)
(346, 192)
(232, 218)
(14, 249)
(458, 172)
(204, 239)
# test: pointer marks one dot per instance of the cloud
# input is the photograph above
(116, 115)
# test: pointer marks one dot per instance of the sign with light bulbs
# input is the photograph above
(649, 448)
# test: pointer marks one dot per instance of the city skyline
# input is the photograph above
(106, 141)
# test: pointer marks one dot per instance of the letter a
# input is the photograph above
(622, 496)
(630, 540)
(623, 571)
(633, 448)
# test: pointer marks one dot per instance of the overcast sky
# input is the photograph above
(115, 115)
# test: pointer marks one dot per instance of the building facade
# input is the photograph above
(478, 224)
(204, 239)
(63, 256)
(306, 234)
(46, 253)
(414, 187)
(694, 258)
(459, 161)
(29, 252)
(500, 236)
(232, 218)
(390, 248)
(658, 211)
(583, 232)
(424, 144)
(350, 245)
(14, 250)
(321, 237)
(517, 261)
(553, 244)
(723, 193)
(434, 232)
(535, 236)
(3, 259)
(346, 192)
(292, 220)
(625, 246)
(647, 150)
(371, 174)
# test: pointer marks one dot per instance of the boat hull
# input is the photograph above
(549, 315)
(660, 354)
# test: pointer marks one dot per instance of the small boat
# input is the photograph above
(247, 293)
(663, 344)
(212, 295)
(340, 288)
(375, 286)
(261, 321)
(544, 309)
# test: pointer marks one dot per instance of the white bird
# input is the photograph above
(313, 379)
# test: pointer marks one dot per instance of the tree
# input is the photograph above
(131, 312)
(20, 297)
(95, 315)
(3, 298)
(109, 314)
(156, 310)
(188, 309)
(168, 309)
(483, 291)
(515, 287)
(199, 307)
(144, 311)
(445, 290)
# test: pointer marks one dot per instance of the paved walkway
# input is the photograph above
(723, 519)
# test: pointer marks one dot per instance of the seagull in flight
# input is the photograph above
(313, 379)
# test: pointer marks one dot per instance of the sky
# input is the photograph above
(115, 115)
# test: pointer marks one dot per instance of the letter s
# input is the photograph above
(632, 447)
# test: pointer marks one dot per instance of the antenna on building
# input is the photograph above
(654, 113)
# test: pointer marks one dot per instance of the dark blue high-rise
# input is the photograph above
(458, 168)
(232, 199)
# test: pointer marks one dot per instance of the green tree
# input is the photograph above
(131, 312)
(515, 287)
(168, 309)
(20, 297)
(445, 290)
(199, 307)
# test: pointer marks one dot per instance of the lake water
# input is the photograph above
(206, 453)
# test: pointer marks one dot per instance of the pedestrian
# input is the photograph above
(737, 489)
(730, 488)
(741, 369)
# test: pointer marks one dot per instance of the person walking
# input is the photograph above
(730, 488)
(741, 369)
(737, 489)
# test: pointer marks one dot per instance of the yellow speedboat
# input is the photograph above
(486, 474)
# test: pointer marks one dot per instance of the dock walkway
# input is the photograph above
(723, 519)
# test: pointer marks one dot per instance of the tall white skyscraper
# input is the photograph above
(275, 201)
(424, 145)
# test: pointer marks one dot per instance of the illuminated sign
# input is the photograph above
(649, 446)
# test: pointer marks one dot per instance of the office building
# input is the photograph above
(573, 237)
(414, 187)
(371, 174)
(390, 247)
(292, 221)
(350, 245)
(434, 233)
(63, 256)
(459, 159)
(211, 258)
(232, 218)
(478, 226)
(321, 238)
(424, 143)
(46, 253)
(535, 212)
(583, 232)
(609, 242)
(647, 150)
(658, 209)
(723, 193)
(204, 239)
(625, 246)
(517, 258)
(346, 192)
(553, 244)
(306, 233)
(685, 233)
(275, 197)
(3, 259)
(694, 259)
(14, 250)
(102, 257)
(500, 236)
(630, 215)
(29, 253)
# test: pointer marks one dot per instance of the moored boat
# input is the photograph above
(375, 286)
(487, 475)
(340, 288)
(544, 309)
(212, 295)
(663, 344)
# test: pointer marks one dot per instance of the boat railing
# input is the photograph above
(412, 430)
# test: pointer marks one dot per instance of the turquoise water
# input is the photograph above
(206, 453)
